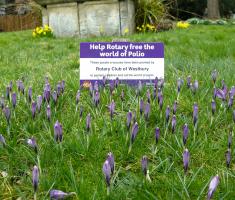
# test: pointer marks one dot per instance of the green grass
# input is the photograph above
(75, 166)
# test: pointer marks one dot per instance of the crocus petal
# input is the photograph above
(107, 172)
(144, 164)
(110, 159)
(186, 156)
(212, 187)
(35, 178)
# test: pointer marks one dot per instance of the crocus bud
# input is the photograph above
(139, 87)
(186, 156)
(185, 133)
(33, 108)
(196, 85)
(103, 81)
(195, 114)
(111, 86)
(21, 86)
(116, 82)
(173, 124)
(30, 94)
(10, 85)
(160, 102)
(88, 122)
(7, 113)
(188, 81)
(39, 103)
(212, 187)
(168, 110)
(47, 93)
(228, 157)
(8, 92)
(148, 96)
(214, 75)
(58, 194)
(147, 111)
(213, 106)
(32, 143)
(2, 102)
(13, 98)
(156, 82)
(144, 165)
(112, 109)
(54, 97)
(159, 94)
(59, 90)
(179, 83)
(97, 98)
(35, 178)
(175, 107)
(48, 113)
(110, 159)
(154, 93)
(134, 132)
(96, 86)
(128, 119)
(58, 132)
(157, 134)
(141, 106)
(2, 140)
(62, 86)
(229, 140)
(78, 97)
(107, 172)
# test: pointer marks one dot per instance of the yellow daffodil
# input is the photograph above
(182, 25)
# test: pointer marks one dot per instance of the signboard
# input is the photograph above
(127, 61)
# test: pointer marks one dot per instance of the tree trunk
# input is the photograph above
(213, 9)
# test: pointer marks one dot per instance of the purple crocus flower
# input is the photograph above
(141, 106)
(30, 94)
(134, 132)
(39, 102)
(144, 165)
(168, 110)
(58, 132)
(13, 98)
(161, 101)
(213, 106)
(148, 95)
(48, 112)
(220, 94)
(159, 94)
(232, 91)
(173, 124)
(7, 113)
(107, 172)
(224, 87)
(214, 75)
(212, 187)
(96, 86)
(195, 114)
(58, 194)
(2, 140)
(54, 96)
(122, 95)
(31, 142)
(78, 95)
(196, 85)
(116, 82)
(228, 157)
(21, 86)
(230, 102)
(110, 159)
(47, 93)
(139, 87)
(97, 98)
(35, 178)
(185, 133)
(111, 86)
(59, 89)
(147, 111)
(157, 134)
(175, 105)
(156, 82)
(2, 102)
(62, 86)
(186, 156)
(188, 81)
(112, 109)
(229, 140)
(33, 108)
(8, 92)
(179, 83)
(10, 85)
(88, 122)
(154, 93)
(104, 81)
(128, 119)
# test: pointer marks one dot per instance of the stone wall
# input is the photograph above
(91, 18)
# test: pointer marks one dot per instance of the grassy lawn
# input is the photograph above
(75, 165)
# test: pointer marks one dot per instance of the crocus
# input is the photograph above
(116, 82)
(154, 93)
(112, 109)
(229, 140)
(13, 98)
(179, 83)
(188, 81)
(31, 142)
(156, 82)
(111, 86)
(144, 164)
(8, 92)
(159, 94)
(96, 86)
(97, 98)
(186, 156)
(110, 159)
(157, 134)
(168, 110)
(39, 102)
(213, 107)
(35, 178)
(185, 133)
(195, 114)
(47, 93)
(148, 95)
(214, 75)
(58, 132)
(48, 112)
(128, 119)
(173, 123)
(161, 101)
(147, 111)
(134, 132)
(232, 91)
(212, 187)
(104, 81)
(54, 97)
(10, 85)
(230, 102)
(33, 108)
(7, 113)
(58, 194)
(30, 93)
(175, 107)
(88, 122)
(21, 86)
(2, 102)
(228, 157)
(141, 106)
(139, 87)
(220, 94)
(107, 172)
(59, 90)
(2, 140)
